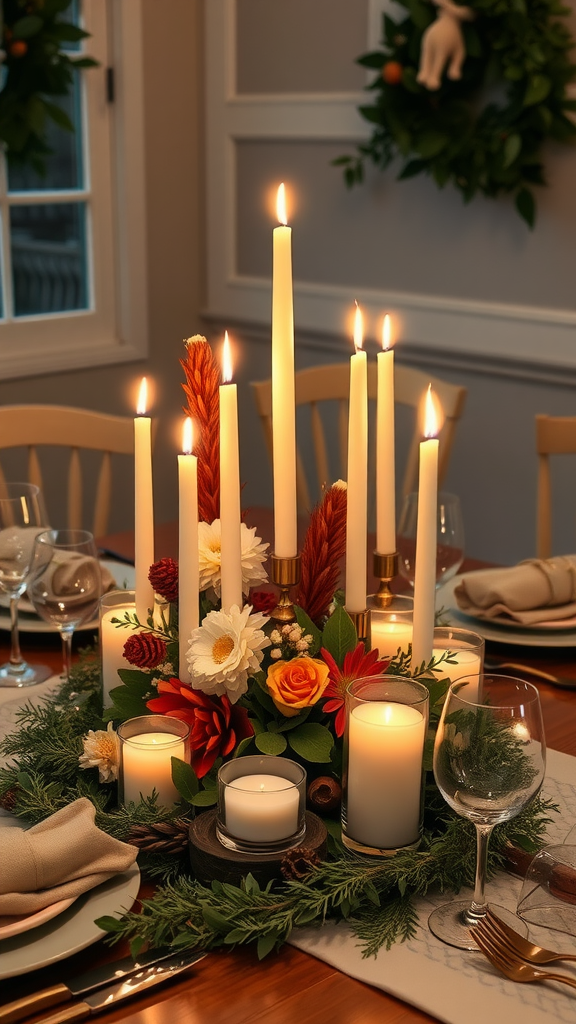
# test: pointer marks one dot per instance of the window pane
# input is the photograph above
(64, 165)
(49, 258)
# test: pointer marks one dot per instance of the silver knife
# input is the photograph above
(76, 988)
(132, 985)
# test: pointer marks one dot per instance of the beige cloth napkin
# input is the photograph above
(530, 592)
(68, 568)
(60, 858)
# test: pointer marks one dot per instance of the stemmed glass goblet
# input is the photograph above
(67, 583)
(449, 537)
(22, 517)
(489, 761)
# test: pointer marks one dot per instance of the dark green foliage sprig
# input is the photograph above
(36, 67)
(484, 133)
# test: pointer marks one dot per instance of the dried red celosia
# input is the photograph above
(324, 546)
(163, 576)
(217, 725)
(203, 379)
(145, 650)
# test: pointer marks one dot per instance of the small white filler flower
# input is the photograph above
(225, 650)
(102, 751)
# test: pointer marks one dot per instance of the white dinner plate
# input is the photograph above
(72, 930)
(499, 632)
(29, 622)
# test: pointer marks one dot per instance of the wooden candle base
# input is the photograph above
(210, 860)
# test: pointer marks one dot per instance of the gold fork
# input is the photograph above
(511, 966)
(526, 949)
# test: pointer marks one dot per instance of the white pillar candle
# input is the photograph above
(385, 750)
(425, 571)
(357, 501)
(112, 640)
(143, 507)
(388, 635)
(261, 808)
(283, 400)
(462, 664)
(230, 544)
(188, 573)
(385, 464)
(147, 765)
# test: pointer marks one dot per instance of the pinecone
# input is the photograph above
(166, 836)
(324, 794)
(297, 864)
(8, 799)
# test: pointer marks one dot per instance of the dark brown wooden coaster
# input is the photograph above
(210, 860)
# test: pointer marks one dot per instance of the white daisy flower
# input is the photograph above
(254, 553)
(102, 751)
(225, 650)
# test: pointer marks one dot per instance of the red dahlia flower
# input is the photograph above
(163, 576)
(356, 665)
(263, 601)
(217, 725)
(145, 650)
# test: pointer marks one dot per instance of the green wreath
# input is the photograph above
(484, 132)
(35, 67)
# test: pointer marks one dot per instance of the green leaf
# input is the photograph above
(215, 920)
(372, 60)
(184, 778)
(312, 741)
(339, 635)
(305, 622)
(68, 32)
(108, 924)
(205, 798)
(25, 782)
(242, 746)
(27, 27)
(125, 704)
(526, 206)
(512, 148)
(271, 743)
(59, 116)
(266, 944)
(538, 88)
(134, 678)
(430, 144)
(412, 168)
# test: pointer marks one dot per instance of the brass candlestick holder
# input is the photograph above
(360, 620)
(285, 573)
(385, 569)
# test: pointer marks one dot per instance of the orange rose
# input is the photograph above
(296, 684)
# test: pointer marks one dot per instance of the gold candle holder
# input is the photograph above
(285, 573)
(360, 620)
(385, 569)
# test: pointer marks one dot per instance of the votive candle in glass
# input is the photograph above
(261, 804)
(114, 605)
(382, 800)
(466, 653)
(147, 746)
(391, 627)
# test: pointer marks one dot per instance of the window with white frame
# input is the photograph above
(72, 260)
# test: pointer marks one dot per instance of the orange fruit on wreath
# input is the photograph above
(18, 48)
(392, 72)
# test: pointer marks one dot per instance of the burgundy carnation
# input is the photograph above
(145, 650)
(217, 725)
(263, 601)
(163, 576)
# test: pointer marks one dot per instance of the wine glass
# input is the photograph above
(449, 542)
(22, 517)
(67, 584)
(489, 760)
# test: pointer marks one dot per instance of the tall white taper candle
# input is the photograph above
(143, 506)
(357, 503)
(188, 575)
(385, 465)
(230, 545)
(425, 573)
(283, 402)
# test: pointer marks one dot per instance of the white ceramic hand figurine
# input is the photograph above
(443, 45)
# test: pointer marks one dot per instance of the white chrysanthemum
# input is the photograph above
(102, 751)
(254, 553)
(225, 650)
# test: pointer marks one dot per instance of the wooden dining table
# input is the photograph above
(233, 987)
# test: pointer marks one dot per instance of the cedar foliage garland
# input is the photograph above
(484, 133)
(203, 380)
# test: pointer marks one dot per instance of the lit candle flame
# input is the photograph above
(358, 328)
(142, 398)
(226, 360)
(432, 414)
(281, 204)
(386, 332)
(187, 438)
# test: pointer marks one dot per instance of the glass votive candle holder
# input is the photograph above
(390, 628)
(147, 746)
(261, 804)
(382, 785)
(466, 654)
(113, 605)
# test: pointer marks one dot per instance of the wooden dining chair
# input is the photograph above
(33, 426)
(331, 382)
(555, 435)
